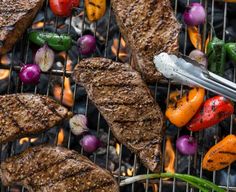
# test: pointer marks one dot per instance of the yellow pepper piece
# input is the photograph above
(95, 9)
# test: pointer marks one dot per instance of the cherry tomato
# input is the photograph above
(63, 8)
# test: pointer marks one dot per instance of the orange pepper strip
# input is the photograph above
(195, 37)
(220, 155)
(180, 112)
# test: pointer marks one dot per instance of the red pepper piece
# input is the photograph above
(213, 111)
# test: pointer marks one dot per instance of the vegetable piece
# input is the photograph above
(44, 57)
(30, 74)
(53, 40)
(95, 9)
(231, 51)
(186, 145)
(78, 124)
(90, 143)
(181, 111)
(199, 56)
(220, 155)
(63, 8)
(199, 183)
(216, 56)
(214, 110)
(194, 14)
(86, 44)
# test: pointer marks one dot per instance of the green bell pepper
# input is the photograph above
(216, 56)
(231, 51)
(55, 41)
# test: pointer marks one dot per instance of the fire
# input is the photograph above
(130, 171)
(27, 139)
(60, 137)
(117, 148)
(123, 52)
(68, 98)
(169, 157)
(153, 185)
(4, 60)
(38, 25)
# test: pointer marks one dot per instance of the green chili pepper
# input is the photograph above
(216, 56)
(55, 41)
(231, 51)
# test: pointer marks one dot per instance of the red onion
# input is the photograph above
(194, 14)
(186, 145)
(30, 74)
(90, 143)
(199, 56)
(86, 44)
(44, 57)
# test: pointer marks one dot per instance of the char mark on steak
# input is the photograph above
(126, 103)
(55, 169)
(27, 114)
(149, 27)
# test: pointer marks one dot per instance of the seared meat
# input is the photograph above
(25, 114)
(127, 105)
(149, 27)
(15, 17)
(56, 169)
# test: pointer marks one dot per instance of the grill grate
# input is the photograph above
(175, 185)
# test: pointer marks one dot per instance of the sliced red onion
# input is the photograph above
(194, 14)
(78, 124)
(186, 145)
(90, 143)
(30, 74)
(45, 58)
(199, 56)
(86, 44)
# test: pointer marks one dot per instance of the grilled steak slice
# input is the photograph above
(149, 27)
(127, 105)
(15, 17)
(26, 114)
(55, 169)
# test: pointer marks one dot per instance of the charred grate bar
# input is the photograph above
(113, 47)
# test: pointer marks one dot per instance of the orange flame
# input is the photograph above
(169, 157)
(60, 137)
(130, 171)
(153, 185)
(117, 148)
(68, 98)
(4, 60)
(123, 52)
(196, 38)
(38, 25)
(27, 139)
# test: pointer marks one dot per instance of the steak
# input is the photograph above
(126, 103)
(149, 27)
(55, 169)
(15, 17)
(26, 114)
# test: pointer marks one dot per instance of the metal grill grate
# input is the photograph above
(175, 185)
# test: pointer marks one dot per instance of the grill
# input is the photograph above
(60, 77)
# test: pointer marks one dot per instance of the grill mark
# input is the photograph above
(210, 160)
(111, 103)
(227, 152)
(130, 121)
(32, 113)
(224, 163)
(52, 109)
(93, 4)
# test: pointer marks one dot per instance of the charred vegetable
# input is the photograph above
(181, 111)
(231, 51)
(90, 143)
(199, 56)
(186, 145)
(55, 41)
(30, 74)
(95, 9)
(86, 44)
(63, 8)
(220, 155)
(216, 56)
(214, 110)
(78, 124)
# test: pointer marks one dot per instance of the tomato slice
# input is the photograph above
(63, 8)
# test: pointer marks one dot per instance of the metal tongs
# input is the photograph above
(189, 72)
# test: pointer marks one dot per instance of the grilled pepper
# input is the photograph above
(216, 56)
(214, 110)
(231, 51)
(55, 41)
(220, 155)
(95, 9)
(180, 111)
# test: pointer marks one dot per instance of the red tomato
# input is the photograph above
(63, 8)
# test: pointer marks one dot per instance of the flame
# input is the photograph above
(27, 139)
(169, 157)
(130, 171)
(196, 38)
(153, 185)
(117, 148)
(38, 25)
(4, 60)
(68, 98)
(123, 52)
(60, 137)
